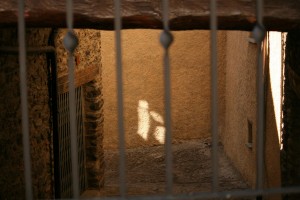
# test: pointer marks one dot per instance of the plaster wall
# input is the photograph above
(144, 91)
(241, 112)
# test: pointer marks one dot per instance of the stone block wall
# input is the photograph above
(11, 150)
(290, 162)
(88, 69)
(94, 138)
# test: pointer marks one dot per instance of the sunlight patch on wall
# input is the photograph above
(276, 76)
(146, 118)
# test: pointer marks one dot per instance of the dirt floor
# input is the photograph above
(146, 170)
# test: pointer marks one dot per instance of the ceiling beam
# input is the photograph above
(184, 14)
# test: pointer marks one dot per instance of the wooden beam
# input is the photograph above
(184, 15)
(82, 77)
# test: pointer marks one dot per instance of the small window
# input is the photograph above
(250, 135)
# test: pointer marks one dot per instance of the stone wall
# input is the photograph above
(11, 150)
(94, 118)
(88, 59)
(144, 88)
(291, 113)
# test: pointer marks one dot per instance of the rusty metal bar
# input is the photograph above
(70, 42)
(119, 71)
(166, 40)
(24, 100)
(259, 34)
(214, 93)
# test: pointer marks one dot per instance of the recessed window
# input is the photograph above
(250, 134)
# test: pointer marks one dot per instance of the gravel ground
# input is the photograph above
(191, 170)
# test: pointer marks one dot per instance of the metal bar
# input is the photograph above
(29, 50)
(73, 131)
(24, 100)
(72, 102)
(260, 119)
(165, 12)
(260, 102)
(214, 93)
(166, 40)
(213, 195)
(259, 11)
(169, 156)
(119, 74)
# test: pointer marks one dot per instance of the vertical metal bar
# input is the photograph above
(72, 102)
(119, 74)
(260, 99)
(166, 40)
(166, 15)
(24, 100)
(214, 93)
(73, 131)
(259, 11)
(260, 118)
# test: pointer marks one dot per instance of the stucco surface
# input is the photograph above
(241, 109)
(144, 90)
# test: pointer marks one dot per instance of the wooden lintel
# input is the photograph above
(184, 15)
(81, 77)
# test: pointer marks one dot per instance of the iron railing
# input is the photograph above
(70, 42)
(65, 146)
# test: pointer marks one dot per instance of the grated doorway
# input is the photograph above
(65, 178)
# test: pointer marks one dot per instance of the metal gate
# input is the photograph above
(64, 137)
(71, 42)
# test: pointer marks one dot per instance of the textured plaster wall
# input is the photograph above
(143, 86)
(11, 147)
(241, 108)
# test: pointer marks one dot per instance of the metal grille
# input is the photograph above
(166, 40)
(65, 145)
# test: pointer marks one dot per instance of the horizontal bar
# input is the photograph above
(212, 195)
(184, 15)
(29, 50)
